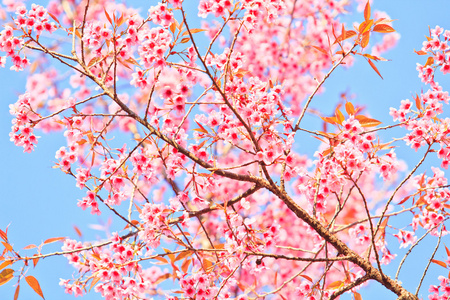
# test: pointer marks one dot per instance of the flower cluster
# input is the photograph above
(22, 130)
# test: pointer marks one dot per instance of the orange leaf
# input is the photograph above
(348, 34)
(94, 282)
(307, 278)
(34, 284)
(365, 26)
(107, 16)
(183, 255)
(438, 262)
(339, 116)
(404, 200)
(185, 40)
(349, 108)
(6, 275)
(321, 50)
(421, 52)
(3, 235)
(374, 67)
(185, 265)
(5, 264)
(335, 285)
(331, 120)
(78, 231)
(430, 61)
(383, 28)
(162, 278)
(7, 246)
(207, 265)
(195, 30)
(365, 39)
(31, 246)
(172, 27)
(52, 240)
(16, 294)
(367, 122)
(367, 11)
(357, 296)
(35, 261)
(448, 251)
(418, 104)
(162, 259)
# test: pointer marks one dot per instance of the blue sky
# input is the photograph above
(38, 202)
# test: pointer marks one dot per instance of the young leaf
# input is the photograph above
(348, 34)
(31, 246)
(335, 285)
(365, 39)
(430, 61)
(383, 28)
(107, 16)
(185, 40)
(185, 265)
(365, 26)
(367, 11)
(94, 282)
(421, 52)
(447, 250)
(357, 296)
(34, 284)
(195, 30)
(3, 235)
(349, 108)
(7, 246)
(367, 122)
(5, 264)
(438, 262)
(16, 293)
(339, 116)
(321, 50)
(78, 231)
(374, 67)
(6, 275)
(52, 240)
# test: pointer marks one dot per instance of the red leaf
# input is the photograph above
(374, 67)
(107, 16)
(404, 200)
(448, 251)
(34, 284)
(3, 235)
(438, 262)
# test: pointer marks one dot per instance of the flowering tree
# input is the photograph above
(213, 184)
